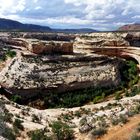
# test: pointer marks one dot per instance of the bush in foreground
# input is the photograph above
(62, 131)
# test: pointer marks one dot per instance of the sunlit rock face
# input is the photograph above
(120, 44)
(51, 47)
(29, 76)
(44, 66)
(88, 42)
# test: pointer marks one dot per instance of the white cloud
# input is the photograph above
(104, 14)
(35, 1)
(110, 16)
(136, 17)
(11, 6)
(38, 8)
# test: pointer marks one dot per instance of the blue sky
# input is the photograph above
(96, 14)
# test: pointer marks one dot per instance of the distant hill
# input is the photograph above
(12, 25)
(7, 24)
(81, 30)
(130, 27)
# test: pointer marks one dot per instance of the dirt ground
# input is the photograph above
(122, 132)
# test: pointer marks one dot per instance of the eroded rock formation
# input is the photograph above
(80, 67)
(124, 45)
(29, 76)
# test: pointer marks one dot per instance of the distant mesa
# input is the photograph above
(12, 25)
(7, 24)
(130, 27)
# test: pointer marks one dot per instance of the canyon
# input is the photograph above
(34, 65)
(46, 63)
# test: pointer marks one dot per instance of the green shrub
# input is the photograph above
(118, 96)
(11, 53)
(83, 121)
(35, 118)
(16, 98)
(129, 73)
(138, 128)
(38, 135)
(123, 119)
(98, 132)
(18, 124)
(9, 134)
(135, 137)
(62, 131)
(114, 121)
(8, 117)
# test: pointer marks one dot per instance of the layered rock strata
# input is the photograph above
(120, 44)
(30, 76)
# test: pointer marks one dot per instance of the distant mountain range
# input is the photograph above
(12, 25)
(130, 27)
(7, 24)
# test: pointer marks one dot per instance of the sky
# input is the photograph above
(95, 14)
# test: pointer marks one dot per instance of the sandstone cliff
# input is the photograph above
(29, 76)
(42, 70)
(120, 44)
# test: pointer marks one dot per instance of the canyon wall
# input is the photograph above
(30, 76)
(41, 67)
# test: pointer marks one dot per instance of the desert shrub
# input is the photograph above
(39, 135)
(18, 124)
(66, 117)
(3, 58)
(9, 134)
(98, 99)
(114, 121)
(103, 123)
(62, 131)
(123, 119)
(130, 113)
(135, 137)
(35, 118)
(16, 98)
(138, 128)
(98, 132)
(136, 109)
(134, 91)
(10, 53)
(83, 121)
(8, 117)
(118, 96)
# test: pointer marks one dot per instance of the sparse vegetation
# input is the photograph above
(9, 134)
(7, 53)
(98, 132)
(10, 53)
(39, 135)
(16, 98)
(35, 118)
(62, 131)
(18, 124)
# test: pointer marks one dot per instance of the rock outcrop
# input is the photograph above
(50, 47)
(130, 27)
(30, 76)
(49, 36)
(120, 44)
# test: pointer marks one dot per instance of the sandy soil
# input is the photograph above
(124, 132)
